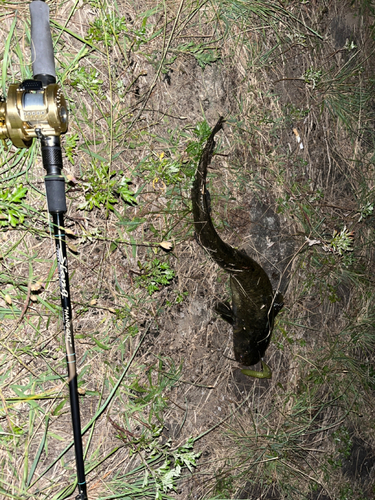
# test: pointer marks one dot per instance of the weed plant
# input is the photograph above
(152, 427)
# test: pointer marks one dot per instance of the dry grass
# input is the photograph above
(156, 369)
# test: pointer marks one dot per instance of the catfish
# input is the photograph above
(254, 304)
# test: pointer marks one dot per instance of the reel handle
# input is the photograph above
(42, 55)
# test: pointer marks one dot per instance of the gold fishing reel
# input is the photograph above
(32, 110)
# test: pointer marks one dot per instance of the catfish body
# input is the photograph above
(253, 304)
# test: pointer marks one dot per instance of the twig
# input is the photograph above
(26, 305)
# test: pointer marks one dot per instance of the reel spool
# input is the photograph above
(32, 110)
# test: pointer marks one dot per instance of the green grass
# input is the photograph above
(130, 157)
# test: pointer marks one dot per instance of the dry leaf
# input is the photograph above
(8, 299)
(71, 178)
(298, 137)
(312, 242)
(72, 248)
(36, 287)
(166, 245)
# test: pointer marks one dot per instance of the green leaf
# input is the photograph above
(99, 344)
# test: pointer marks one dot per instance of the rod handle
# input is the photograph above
(42, 55)
(54, 180)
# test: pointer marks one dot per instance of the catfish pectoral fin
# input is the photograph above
(278, 303)
(265, 373)
(225, 311)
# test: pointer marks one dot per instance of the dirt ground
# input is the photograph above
(213, 398)
(192, 333)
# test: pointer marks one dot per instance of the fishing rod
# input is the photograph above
(37, 109)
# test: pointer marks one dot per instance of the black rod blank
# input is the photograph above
(56, 201)
(62, 263)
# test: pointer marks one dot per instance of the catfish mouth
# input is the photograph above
(247, 358)
(247, 353)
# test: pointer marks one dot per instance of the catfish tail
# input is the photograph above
(222, 253)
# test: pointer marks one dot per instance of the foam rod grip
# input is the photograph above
(42, 56)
